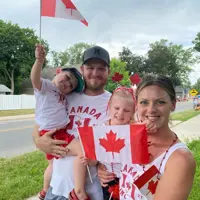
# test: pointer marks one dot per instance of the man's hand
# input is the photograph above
(48, 145)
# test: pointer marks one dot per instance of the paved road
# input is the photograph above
(15, 135)
(181, 106)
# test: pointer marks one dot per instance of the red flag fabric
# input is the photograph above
(115, 144)
(148, 180)
(133, 184)
(61, 9)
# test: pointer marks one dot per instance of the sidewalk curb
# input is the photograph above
(6, 118)
(33, 198)
(188, 130)
(174, 123)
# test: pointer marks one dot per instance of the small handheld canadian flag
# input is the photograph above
(115, 144)
(135, 184)
(147, 182)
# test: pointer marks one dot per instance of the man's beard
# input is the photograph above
(93, 87)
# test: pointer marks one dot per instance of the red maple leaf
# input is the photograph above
(117, 77)
(114, 190)
(111, 144)
(152, 186)
(135, 79)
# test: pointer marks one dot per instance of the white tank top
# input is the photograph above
(139, 182)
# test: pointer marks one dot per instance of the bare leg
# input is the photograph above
(79, 169)
(47, 175)
(79, 179)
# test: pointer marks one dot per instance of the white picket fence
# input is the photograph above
(13, 102)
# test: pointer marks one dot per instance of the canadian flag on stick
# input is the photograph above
(147, 182)
(115, 144)
(61, 9)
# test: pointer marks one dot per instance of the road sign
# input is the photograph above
(193, 92)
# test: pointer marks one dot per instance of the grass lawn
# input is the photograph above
(21, 177)
(195, 147)
(185, 115)
(4, 113)
(181, 116)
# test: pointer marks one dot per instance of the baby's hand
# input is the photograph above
(40, 52)
(84, 160)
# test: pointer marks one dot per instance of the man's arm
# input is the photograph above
(178, 177)
(37, 67)
(35, 134)
(48, 145)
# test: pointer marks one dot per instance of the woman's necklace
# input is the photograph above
(165, 153)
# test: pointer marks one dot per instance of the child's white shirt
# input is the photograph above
(51, 111)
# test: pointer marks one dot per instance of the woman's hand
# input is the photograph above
(104, 175)
(151, 128)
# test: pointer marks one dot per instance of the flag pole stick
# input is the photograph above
(84, 155)
(40, 25)
(111, 195)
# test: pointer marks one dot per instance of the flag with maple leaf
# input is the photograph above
(115, 144)
(147, 182)
(136, 184)
(61, 9)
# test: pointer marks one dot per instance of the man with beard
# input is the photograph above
(87, 108)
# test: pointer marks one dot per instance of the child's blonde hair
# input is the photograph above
(123, 92)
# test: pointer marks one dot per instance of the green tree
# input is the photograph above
(134, 63)
(171, 60)
(117, 65)
(56, 58)
(71, 56)
(196, 86)
(196, 42)
(17, 46)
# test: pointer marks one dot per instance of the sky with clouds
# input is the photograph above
(113, 23)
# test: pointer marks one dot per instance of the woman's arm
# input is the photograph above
(177, 180)
(48, 145)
